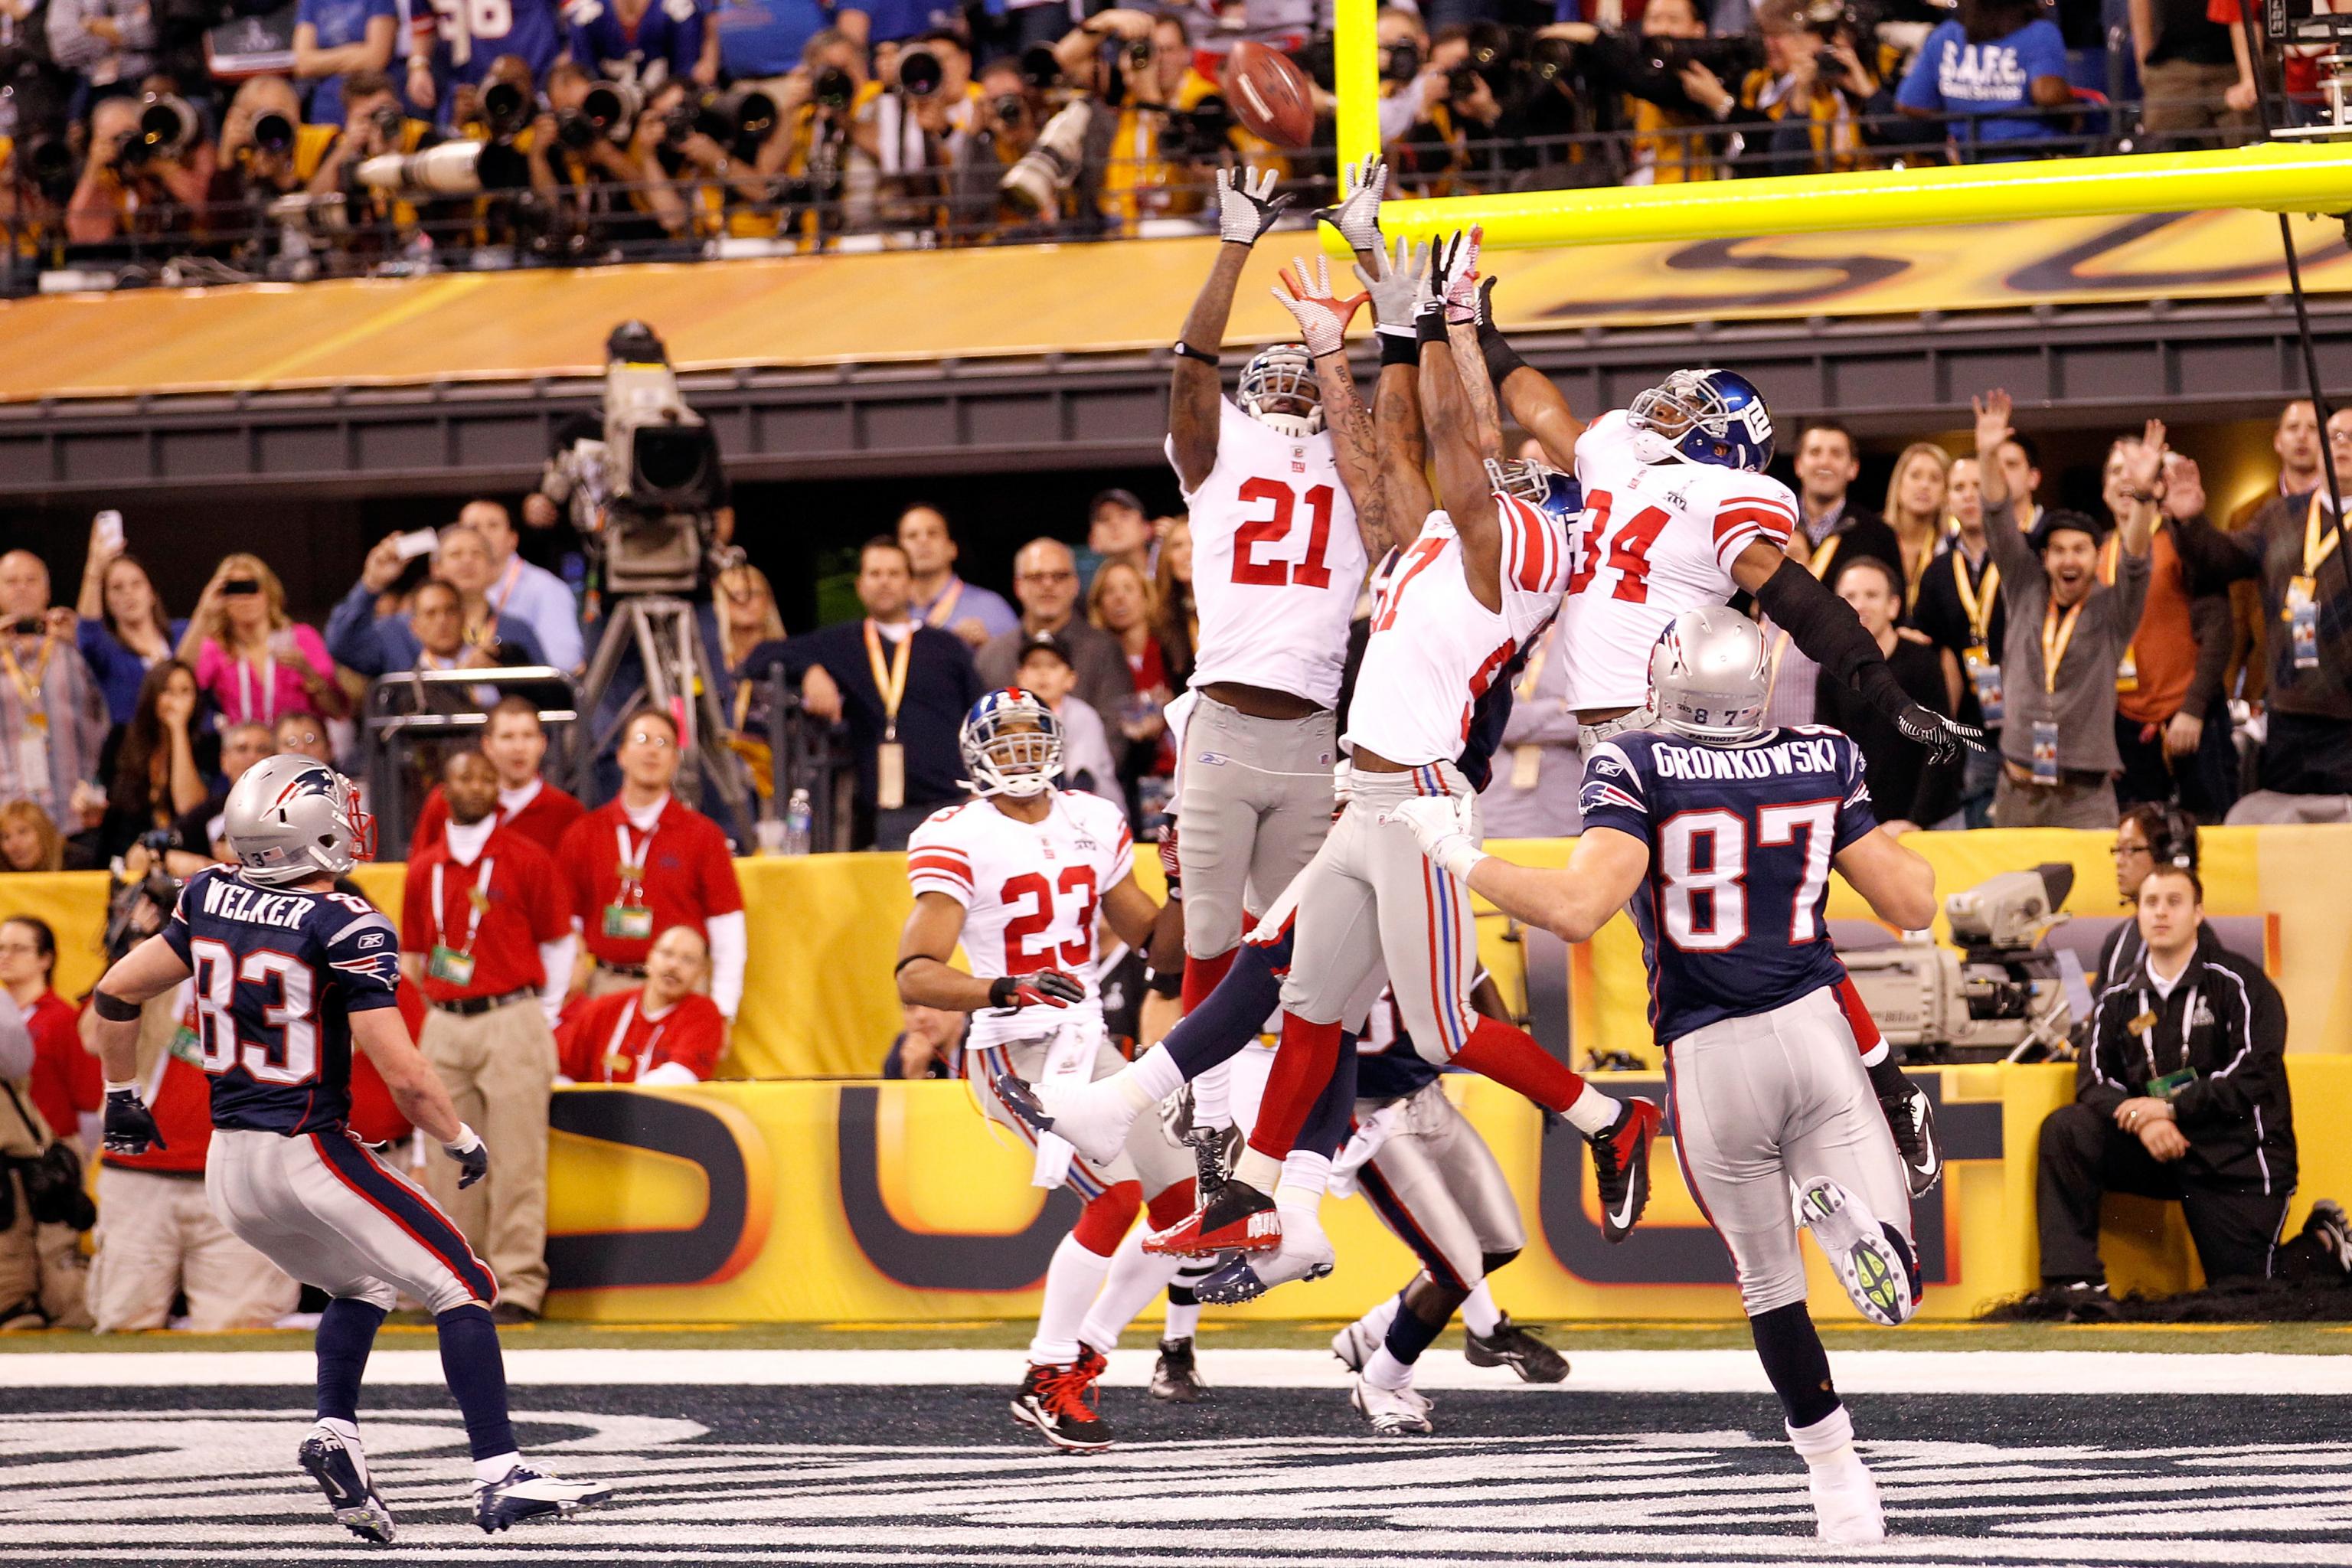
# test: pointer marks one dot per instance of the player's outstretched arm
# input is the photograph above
(1322, 316)
(1395, 290)
(1826, 628)
(1459, 467)
(1246, 209)
(1540, 408)
(1605, 869)
(1898, 882)
(1467, 299)
(928, 980)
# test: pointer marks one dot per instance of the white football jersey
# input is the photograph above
(1656, 539)
(1435, 649)
(1030, 890)
(1276, 559)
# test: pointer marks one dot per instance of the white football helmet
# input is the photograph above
(292, 817)
(1012, 744)
(1708, 676)
(1278, 390)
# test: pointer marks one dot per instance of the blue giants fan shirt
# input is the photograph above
(475, 33)
(1741, 840)
(662, 46)
(277, 975)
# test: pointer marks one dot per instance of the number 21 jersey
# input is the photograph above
(1030, 890)
(276, 976)
(1740, 842)
(1277, 561)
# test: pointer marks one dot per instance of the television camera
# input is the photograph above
(2003, 997)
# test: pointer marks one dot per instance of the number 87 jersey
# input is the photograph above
(1741, 840)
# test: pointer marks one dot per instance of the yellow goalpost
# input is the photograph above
(2278, 176)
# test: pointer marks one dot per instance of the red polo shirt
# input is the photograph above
(688, 876)
(67, 1079)
(595, 1048)
(522, 905)
(543, 819)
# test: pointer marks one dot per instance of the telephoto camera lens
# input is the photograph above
(575, 130)
(388, 124)
(507, 108)
(611, 108)
(272, 132)
(919, 73)
(1011, 109)
(834, 89)
(1039, 68)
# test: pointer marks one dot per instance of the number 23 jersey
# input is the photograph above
(1656, 539)
(1030, 890)
(276, 976)
(1276, 559)
(1740, 842)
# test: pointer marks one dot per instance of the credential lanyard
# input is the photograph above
(476, 902)
(2055, 635)
(1976, 603)
(621, 1038)
(892, 683)
(632, 859)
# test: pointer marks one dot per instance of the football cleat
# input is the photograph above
(1239, 1218)
(1305, 1254)
(1911, 1116)
(350, 1495)
(1621, 1166)
(526, 1493)
(1176, 1376)
(1517, 1348)
(1092, 1117)
(1869, 1263)
(1059, 1402)
(1393, 1412)
(1845, 1504)
(1354, 1344)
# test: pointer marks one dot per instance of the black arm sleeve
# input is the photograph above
(1826, 629)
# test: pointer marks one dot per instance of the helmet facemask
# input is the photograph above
(1014, 749)
(1280, 391)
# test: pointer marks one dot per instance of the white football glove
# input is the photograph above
(1247, 207)
(1442, 825)
(1322, 315)
(1462, 279)
(1357, 213)
(1395, 285)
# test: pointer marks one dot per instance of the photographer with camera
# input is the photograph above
(455, 55)
(334, 38)
(147, 173)
(904, 142)
(1004, 124)
(1802, 111)
(266, 153)
(816, 152)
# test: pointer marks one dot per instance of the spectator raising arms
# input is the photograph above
(123, 631)
(156, 765)
(663, 1032)
(250, 659)
(646, 861)
(52, 715)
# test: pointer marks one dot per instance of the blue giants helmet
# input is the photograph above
(1012, 744)
(1708, 416)
(1537, 483)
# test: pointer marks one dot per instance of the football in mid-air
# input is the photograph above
(1270, 95)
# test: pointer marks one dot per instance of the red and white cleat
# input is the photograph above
(1238, 1218)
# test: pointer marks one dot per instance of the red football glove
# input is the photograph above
(1048, 987)
(1169, 867)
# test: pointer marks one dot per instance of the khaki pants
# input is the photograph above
(156, 1236)
(43, 1264)
(604, 982)
(2182, 95)
(2076, 801)
(498, 1067)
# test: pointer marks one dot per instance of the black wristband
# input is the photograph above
(1429, 327)
(1001, 990)
(1165, 985)
(1183, 349)
(1887, 1079)
(114, 1009)
(1396, 350)
(1502, 359)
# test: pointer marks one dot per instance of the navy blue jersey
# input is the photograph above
(1741, 840)
(662, 46)
(277, 975)
(475, 33)
(1386, 1066)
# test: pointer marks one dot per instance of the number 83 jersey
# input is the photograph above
(277, 975)
(1740, 841)
(1030, 892)
(1277, 561)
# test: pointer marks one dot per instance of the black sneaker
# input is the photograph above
(350, 1496)
(1621, 1166)
(1176, 1377)
(1517, 1348)
(1058, 1401)
(2328, 1227)
(513, 1315)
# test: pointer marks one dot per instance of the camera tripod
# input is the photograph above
(674, 676)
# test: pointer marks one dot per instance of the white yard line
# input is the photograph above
(1632, 1372)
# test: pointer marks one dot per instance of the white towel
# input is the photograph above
(1370, 1134)
(1069, 1059)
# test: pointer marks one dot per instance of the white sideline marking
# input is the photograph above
(1630, 1372)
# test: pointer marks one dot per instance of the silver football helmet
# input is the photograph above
(1280, 391)
(1708, 676)
(292, 817)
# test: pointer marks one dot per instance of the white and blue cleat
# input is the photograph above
(341, 1474)
(526, 1493)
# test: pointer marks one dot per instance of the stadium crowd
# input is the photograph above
(393, 137)
(2102, 653)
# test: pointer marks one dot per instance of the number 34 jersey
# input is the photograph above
(277, 975)
(1277, 561)
(1030, 890)
(1740, 841)
(1656, 539)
